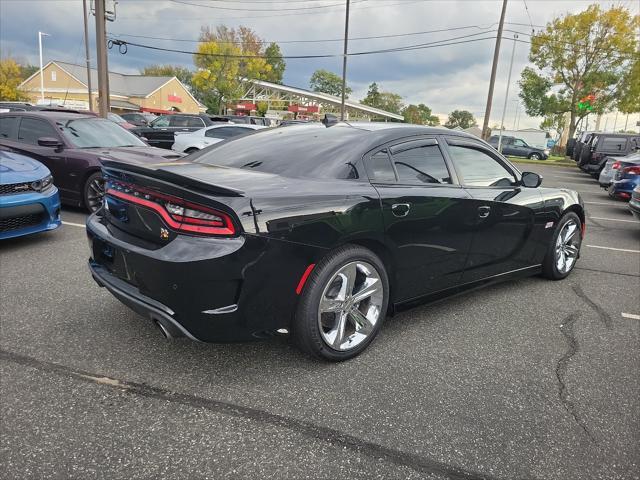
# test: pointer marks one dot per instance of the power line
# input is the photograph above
(216, 7)
(323, 40)
(440, 43)
(528, 14)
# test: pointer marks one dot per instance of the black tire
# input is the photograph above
(191, 150)
(306, 329)
(549, 265)
(93, 192)
(535, 156)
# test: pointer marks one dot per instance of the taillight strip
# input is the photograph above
(228, 229)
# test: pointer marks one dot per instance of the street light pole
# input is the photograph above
(506, 95)
(344, 60)
(40, 35)
(494, 68)
(86, 50)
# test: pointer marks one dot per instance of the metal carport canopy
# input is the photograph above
(319, 97)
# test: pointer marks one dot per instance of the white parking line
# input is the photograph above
(71, 224)
(615, 249)
(604, 203)
(614, 219)
(631, 315)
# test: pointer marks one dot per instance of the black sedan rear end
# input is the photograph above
(319, 231)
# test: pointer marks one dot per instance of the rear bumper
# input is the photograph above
(28, 213)
(208, 289)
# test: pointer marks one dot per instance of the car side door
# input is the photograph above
(508, 219)
(29, 130)
(423, 209)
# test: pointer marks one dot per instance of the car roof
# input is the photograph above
(54, 115)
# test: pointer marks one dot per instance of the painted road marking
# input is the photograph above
(614, 219)
(631, 315)
(604, 203)
(615, 249)
(71, 224)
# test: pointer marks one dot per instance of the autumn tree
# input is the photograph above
(328, 82)
(577, 55)
(225, 56)
(461, 118)
(11, 76)
(420, 115)
(388, 101)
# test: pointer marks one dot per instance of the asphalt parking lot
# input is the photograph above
(530, 379)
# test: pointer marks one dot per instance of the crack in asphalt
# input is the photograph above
(604, 317)
(309, 429)
(607, 271)
(566, 328)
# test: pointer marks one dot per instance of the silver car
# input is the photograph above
(613, 165)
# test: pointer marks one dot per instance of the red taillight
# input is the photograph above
(631, 170)
(616, 165)
(180, 215)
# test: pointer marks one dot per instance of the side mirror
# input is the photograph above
(531, 180)
(50, 142)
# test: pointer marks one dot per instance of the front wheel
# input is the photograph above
(564, 250)
(534, 156)
(93, 194)
(343, 304)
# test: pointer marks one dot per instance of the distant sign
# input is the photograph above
(174, 98)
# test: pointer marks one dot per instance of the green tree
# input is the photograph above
(629, 91)
(11, 76)
(373, 96)
(278, 65)
(181, 73)
(225, 56)
(388, 101)
(420, 115)
(461, 118)
(328, 82)
(583, 54)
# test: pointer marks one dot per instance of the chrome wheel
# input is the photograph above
(350, 306)
(534, 156)
(567, 247)
(94, 193)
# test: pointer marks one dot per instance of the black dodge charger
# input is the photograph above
(323, 231)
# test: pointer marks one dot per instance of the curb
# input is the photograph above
(544, 162)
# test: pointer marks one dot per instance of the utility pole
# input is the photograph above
(86, 50)
(103, 67)
(506, 95)
(494, 67)
(344, 60)
(40, 35)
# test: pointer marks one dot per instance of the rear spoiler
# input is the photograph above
(169, 177)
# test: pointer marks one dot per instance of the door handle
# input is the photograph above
(484, 211)
(400, 209)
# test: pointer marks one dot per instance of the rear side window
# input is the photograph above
(379, 168)
(31, 129)
(613, 144)
(479, 169)
(161, 122)
(195, 122)
(8, 127)
(226, 132)
(420, 164)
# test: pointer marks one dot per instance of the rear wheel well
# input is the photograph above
(384, 254)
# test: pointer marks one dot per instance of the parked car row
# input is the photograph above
(613, 159)
(73, 146)
(592, 149)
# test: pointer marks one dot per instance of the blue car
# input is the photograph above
(29, 202)
(625, 180)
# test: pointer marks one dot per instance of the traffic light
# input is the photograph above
(586, 103)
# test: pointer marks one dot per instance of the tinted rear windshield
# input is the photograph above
(296, 151)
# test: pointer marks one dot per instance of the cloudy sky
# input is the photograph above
(444, 78)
